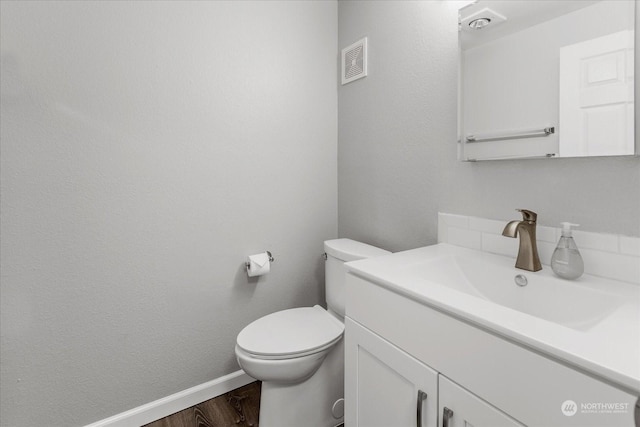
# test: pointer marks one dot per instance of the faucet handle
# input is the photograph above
(528, 215)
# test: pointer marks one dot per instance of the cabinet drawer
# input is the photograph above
(521, 382)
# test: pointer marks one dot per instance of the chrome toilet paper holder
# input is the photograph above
(271, 259)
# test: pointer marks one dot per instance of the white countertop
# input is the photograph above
(610, 349)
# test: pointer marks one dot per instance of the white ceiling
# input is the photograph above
(519, 14)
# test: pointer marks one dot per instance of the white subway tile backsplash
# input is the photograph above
(459, 221)
(486, 225)
(630, 245)
(606, 255)
(545, 250)
(499, 244)
(546, 234)
(465, 238)
(598, 241)
(443, 236)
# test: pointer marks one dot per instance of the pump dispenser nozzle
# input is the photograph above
(567, 227)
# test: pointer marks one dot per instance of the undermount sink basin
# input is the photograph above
(493, 278)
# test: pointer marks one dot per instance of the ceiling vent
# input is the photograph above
(354, 61)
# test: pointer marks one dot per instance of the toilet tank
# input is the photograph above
(338, 252)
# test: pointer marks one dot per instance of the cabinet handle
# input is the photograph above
(421, 397)
(446, 415)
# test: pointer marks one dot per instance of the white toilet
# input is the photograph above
(298, 354)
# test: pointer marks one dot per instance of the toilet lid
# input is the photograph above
(290, 332)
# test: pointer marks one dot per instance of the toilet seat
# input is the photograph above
(292, 333)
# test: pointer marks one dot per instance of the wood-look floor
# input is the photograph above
(237, 408)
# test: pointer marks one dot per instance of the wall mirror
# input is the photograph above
(545, 79)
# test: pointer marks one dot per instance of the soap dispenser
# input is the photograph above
(566, 260)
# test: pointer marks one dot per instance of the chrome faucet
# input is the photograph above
(526, 229)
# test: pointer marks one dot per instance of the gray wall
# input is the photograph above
(396, 143)
(147, 149)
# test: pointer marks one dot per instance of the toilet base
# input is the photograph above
(309, 403)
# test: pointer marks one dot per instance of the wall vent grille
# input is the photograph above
(354, 61)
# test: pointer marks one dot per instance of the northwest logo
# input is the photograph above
(569, 408)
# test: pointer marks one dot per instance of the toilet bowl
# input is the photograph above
(298, 353)
(303, 339)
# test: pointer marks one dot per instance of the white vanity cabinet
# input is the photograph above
(385, 386)
(396, 346)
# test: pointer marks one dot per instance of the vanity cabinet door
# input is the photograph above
(459, 408)
(385, 386)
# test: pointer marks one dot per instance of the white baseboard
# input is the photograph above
(176, 402)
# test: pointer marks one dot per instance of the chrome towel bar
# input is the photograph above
(524, 134)
(514, 157)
